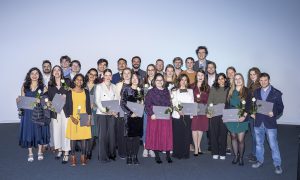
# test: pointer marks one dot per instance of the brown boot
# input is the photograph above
(82, 159)
(73, 160)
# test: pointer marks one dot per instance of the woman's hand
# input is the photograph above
(242, 119)
(74, 120)
(253, 116)
(153, 117)
(181, 113)
(133, 115)
(208, 116)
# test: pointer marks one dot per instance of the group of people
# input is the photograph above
(120, 134)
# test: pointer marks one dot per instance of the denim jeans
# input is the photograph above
(272, 138)
(251, 127)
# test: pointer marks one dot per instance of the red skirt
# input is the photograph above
(159, 135)
(200, 123)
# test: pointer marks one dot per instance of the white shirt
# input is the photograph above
(46, 79)
(211, 79)
(177, 98)
(102, 93)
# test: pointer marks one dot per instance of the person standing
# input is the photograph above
(117, 77)
(136, 65)
(202, 62)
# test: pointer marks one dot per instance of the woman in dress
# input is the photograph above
(182, 134)
(159, 135)
(237, 98)
(121, 139)
(200, 122)
(218, 130)
(92, 80)
(33, 134)
(78, 102)
(106, 120)
(59, 85)
(133, 124)
(252, 85)
(151, 71)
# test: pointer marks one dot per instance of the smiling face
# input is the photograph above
(56, 72)
(136, 63)
(126, 74)
(102, 66)
(189, 63)
(135, 80)
(201, 54)
(200, 77)
(65, 63)
(238, 80)
(211, 69)
(121, 65)
(159, 82)
(170, 72)
(264, 81)
(253, 76)
(221, 81)
(183, 82)
(78, 81)
(34, 75)
(151, 71)
(159, 66)
(230, 74)
(92, 75)
(177, 64)
(46, 68)
(75, 67)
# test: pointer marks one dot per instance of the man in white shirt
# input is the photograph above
(47, 67)
(211, 73)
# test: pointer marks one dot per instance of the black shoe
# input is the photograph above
(158, 160)
(241, 162)
(169, 160)
(129, 160)
(196, 154)
(135, 160)
(89, 155)
(235, 160)
(112, 158)
(200, 153)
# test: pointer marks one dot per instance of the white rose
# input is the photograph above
(79, 107)
(198, 95)
(46, 100)
(243, 102)
(172, 96)
(62, 81)
(253, 99)
(211, 105)
(146, 86)
(39, 91)
(138, 88)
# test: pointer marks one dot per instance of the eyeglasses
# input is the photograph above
(93, 74)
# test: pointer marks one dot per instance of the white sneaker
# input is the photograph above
(222, 157)
(151, 153)
(215, 156)
(30, 158)
(145, 153)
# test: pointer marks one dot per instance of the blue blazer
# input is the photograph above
(116, 78)
(275, 96)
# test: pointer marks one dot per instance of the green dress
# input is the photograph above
(236, 127)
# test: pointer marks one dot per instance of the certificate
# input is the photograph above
(58, 102)
(230, 115)
(136, 108)
(159, 112)
(201, 109)
(26, 102)
(264, 107)
(216, 110)
(84, 119)
(190, 108)
(112, 105)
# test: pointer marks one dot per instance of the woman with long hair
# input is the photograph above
(170, 77)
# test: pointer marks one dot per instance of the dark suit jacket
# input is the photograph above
(69, 103)
(116, 78)
(196, 65)
(141, 74)
(275, 96)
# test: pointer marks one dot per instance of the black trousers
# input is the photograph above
(181, 137)
(106, 137)
(121, 139)
(218, 136)
(132, 145)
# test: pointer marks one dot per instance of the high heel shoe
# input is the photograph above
(169, 160)
(65, 159)
(135, 160)
(58, 155)
(235, 160)
(241, 162)
(129, 160)
(158, 160)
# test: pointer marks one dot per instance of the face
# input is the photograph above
(177, 64)
(126, 74)
(183, 82)
(136, 63)
(107, 76)
(75, 67)
(102, 66)
(46, 68)
(169, 72)
(159, 82)
(201, 54)
(92, 76)
(121, 65)
(159, 66)
(230, 73)
(200, 77)
(221, 81)
(264, 82)
(34, 75)
(238, 80)
(135, 80)
(189, 64)
(253, 76)
(78, 81)
(151, 71)
(56, 72)
(211, 69)
(65, 63)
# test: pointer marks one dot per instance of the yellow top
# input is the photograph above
(76, 132)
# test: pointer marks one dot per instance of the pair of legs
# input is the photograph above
(197, 136)
(132, 149)
(40, 153)
(218, 133)
(238, 147)
(83, 147)
(157, 157)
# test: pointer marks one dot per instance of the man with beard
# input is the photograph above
(177, 63)
(122, 64)
(136, 64)
(46, 71)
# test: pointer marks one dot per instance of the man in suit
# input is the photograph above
(117, 77)
(202, 62)
(266, 124)
(102, 64)
(136, 64)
